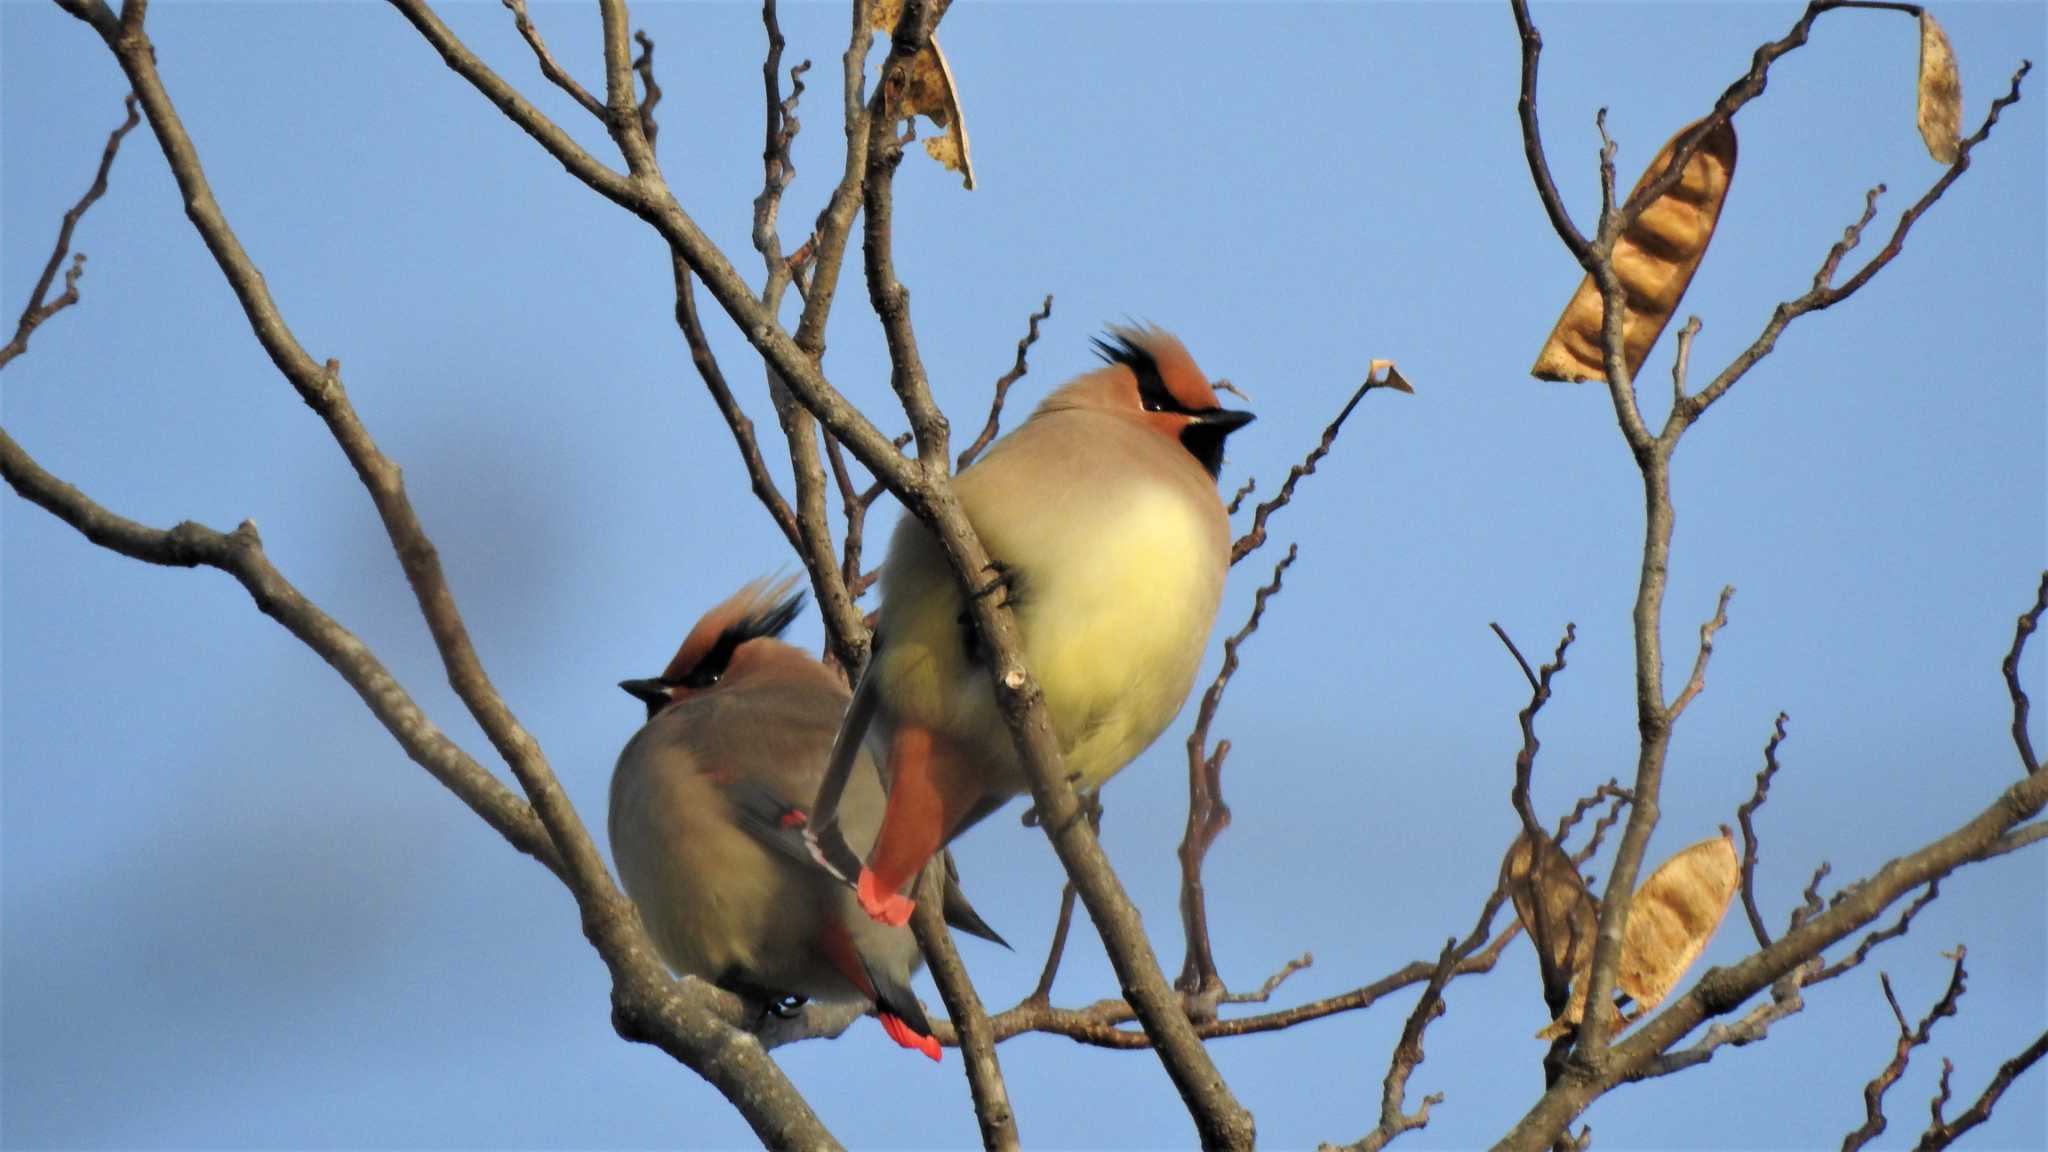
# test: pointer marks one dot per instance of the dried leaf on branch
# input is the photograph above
(928, 91)
(1673, 916)
(1941, 93)
(1554, 907)
(1655, 259)
(1670, 920)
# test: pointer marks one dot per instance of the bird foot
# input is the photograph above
(884, 905)
(1001, 581)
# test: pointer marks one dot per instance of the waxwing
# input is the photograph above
(708, 804)
(1101, 515)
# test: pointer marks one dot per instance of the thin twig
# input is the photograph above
(650, 91)
(976, 1039)
(1248, 543)
(1941, 1133)
(2011, 667)
(1539, 695)
(1698, 680)
(993, 424)
(1897, 929)
(1909, 1039)
(548, 67)
(736, 418)
(1208, 814)
(1745, 816)
(38, 309)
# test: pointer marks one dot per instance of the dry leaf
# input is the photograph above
(1670, 920)
(928, 91)
(1553, 905)
(932, 93)
(1941, 93)
(1393, 378)
(1674, 915)
(1655, 260)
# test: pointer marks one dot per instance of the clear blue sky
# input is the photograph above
(235, 915)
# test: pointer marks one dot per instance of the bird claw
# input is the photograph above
(1002, 581)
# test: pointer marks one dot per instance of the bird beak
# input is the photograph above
(649, 692)
(1224, 420)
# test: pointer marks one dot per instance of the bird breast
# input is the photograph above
(1116, 557)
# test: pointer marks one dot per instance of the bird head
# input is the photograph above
(738, 639)
(1150, 378)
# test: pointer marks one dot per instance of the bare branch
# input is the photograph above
(1041, 993)
(735, 416)
(1097, 1025)
(1248, 543)
(647, 1004)
(39, 308)
(1532, 141)
(970, 1020)
(1525, 760)
(2011, 667)
(548, 67)
(1698, 680)
(240, 554)
(1909, 1039)
(1394, 1120)
(650, 94)
(1237, 500)
(1896, 929)
(1617, 798)
(1208, 814)
(1821, 296)
(1745, 816)
(994, 422)
(1941, 1133)
(1681, 363)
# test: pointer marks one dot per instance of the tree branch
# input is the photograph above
(970, 1020)
(1941, 1133)
(994, 423)
(647, 1004)
(548, 67)
(1909, 1039)
(1250, 542)
(39, 308)
(240, 554)
(1744, 816)
(2011, 668)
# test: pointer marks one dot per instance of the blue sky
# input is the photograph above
(233, 915)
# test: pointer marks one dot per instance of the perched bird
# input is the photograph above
(708, 805)
(1101, 516)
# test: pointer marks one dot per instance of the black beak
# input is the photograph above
(1223, 420)
(652, 693)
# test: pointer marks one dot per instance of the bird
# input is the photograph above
(706, 809)
(1107, 535)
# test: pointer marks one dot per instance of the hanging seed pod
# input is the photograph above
(929, 91)
(1555, 910)
(1941, 93)
(1673, 916)
(1655, 260)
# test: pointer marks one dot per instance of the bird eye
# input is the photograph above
(1152, 404)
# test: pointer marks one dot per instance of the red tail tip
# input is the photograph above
(904, 1035)
(887, 906)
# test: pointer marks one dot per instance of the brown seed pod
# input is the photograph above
(1554, 907)
(929, 91)
(1655, 260)
(1673, 916)
(1941, 93)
